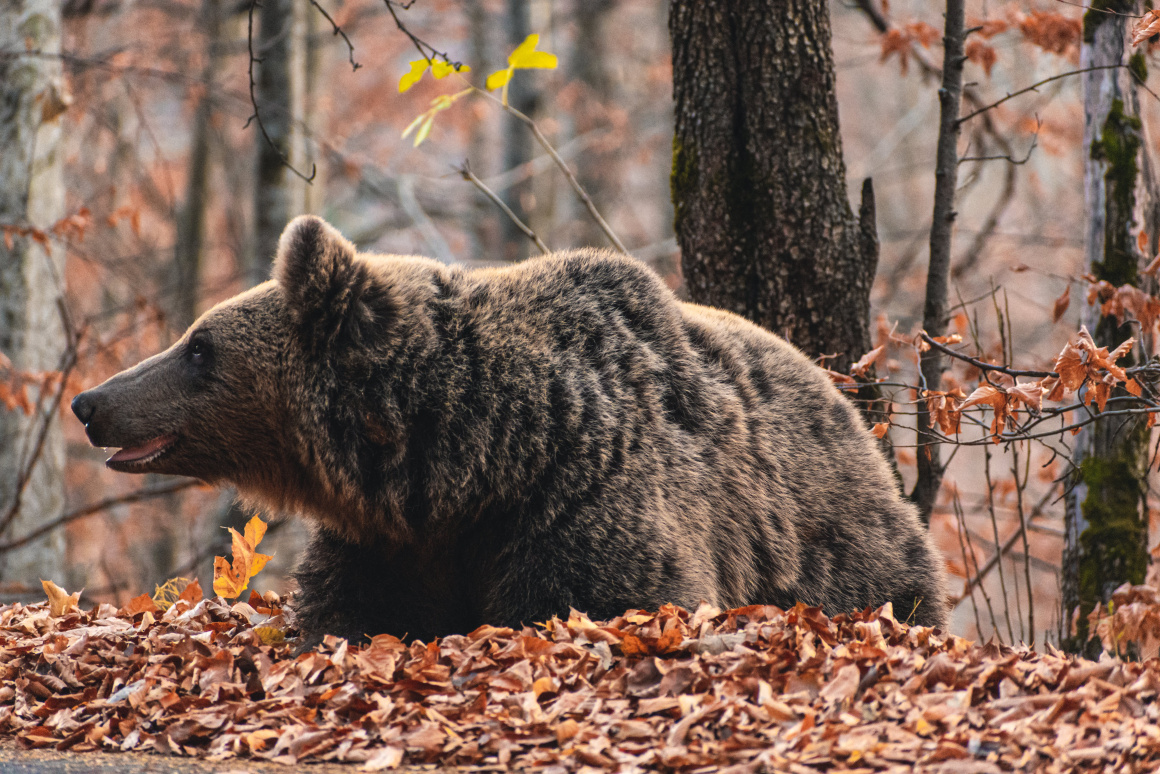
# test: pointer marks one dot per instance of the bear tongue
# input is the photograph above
(150, 447)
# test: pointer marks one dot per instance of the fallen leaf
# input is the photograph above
(59, 600)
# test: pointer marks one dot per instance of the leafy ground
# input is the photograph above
(754, 689)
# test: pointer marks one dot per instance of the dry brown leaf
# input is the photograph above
(1059, 308)
(59, 600)
(880, 429)
(1146, 27)
(860, 368)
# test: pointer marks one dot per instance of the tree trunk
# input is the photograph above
(758, 181)
(32, 332)
(191, 217)
(517, 139)
(1106, 527)
(273, 197)
(934, 315)
(598, 167)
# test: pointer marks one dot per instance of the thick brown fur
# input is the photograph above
(498, 446)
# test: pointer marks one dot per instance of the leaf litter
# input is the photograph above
(752, 689)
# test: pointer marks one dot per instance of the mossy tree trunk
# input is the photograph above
(759, 184)
(1106, 522)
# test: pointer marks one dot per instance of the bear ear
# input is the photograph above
(330, 291)
(312, 264)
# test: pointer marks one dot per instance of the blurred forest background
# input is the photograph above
(161, 196)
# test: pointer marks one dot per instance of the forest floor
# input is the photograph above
(753, 689)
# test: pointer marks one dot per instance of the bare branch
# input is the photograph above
(982, 366)
(338, 31)
(572, 181)
(465, 171)
(97, 507)
(257, 114)
(1035, 87)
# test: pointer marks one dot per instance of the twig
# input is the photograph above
(1099, 10)
(1012, 372)
(97, 507)
(257, 115)
(466, 173)
(431, 52)
(1007, 156)
(1035, 86)
(572, 181)
(338, 31)
(68, 362)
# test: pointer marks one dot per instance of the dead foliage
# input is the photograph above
(754, 688)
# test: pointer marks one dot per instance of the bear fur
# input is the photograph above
(501, 445)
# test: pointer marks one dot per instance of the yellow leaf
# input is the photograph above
(270, 635)
(527, 57)
(498, 78)
(411, 126)
(541, 60)
(425, 129)
(443, 69)
(525, 48)
(255, 531)
(59, 600)
(418, 67)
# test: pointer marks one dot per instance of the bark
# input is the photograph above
(517, 139)
(934, 322)
(1106, 527)
(191, 218)
(484, 228)
(32, 333)
(274, 198)
(758, 180)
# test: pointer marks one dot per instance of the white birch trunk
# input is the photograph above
(32, 332)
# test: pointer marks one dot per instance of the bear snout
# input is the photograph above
(84, 406)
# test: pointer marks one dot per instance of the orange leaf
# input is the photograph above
(230, 580)
(838, 378)
(881, 429)
(863, 365)
(192, 592)
(1061, 304)
(1151, 268)
(1030, 393)
(141, 604)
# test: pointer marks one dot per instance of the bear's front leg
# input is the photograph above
(357, 590)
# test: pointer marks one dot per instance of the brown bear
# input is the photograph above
(501, 445)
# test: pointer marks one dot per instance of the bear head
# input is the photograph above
(237, 399)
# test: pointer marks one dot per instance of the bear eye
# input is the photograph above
(198, 352)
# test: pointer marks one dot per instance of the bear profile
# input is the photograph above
(501, 445)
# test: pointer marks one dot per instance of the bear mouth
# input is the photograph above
(133, 457)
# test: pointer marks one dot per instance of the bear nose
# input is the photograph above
(83, 406)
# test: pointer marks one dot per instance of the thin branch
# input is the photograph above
(257, 115)
(572, 181)
(1007, 156)
(426, 50)
(466, 173)
(338, 31)
(97, 507)
(1035, 87)
(1099, 10)
(1012, 372)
